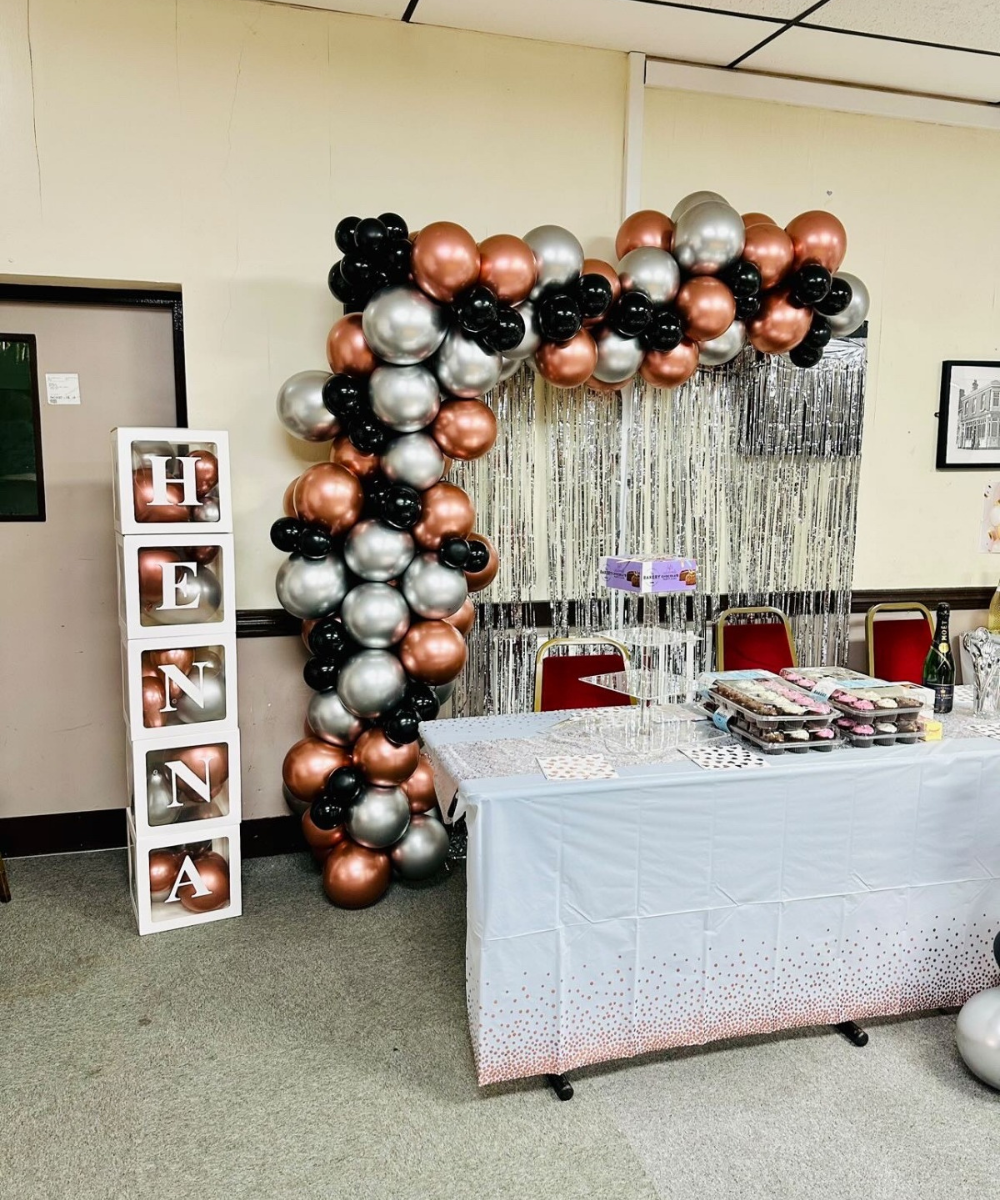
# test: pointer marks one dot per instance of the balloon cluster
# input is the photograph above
(208, 676)
(208, 893)
(206, 473)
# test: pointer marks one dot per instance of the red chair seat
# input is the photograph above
(562, 685)
(899, 648)
(756, 647)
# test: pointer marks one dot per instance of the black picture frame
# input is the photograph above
(28, 339)
(960, 431)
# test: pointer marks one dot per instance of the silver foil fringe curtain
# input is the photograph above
(751, 468)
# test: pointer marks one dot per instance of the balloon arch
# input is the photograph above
(383, 553)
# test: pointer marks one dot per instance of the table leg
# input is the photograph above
(561, 1086)
(854, 1033)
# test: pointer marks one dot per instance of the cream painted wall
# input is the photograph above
(215, 144)
(919, 203)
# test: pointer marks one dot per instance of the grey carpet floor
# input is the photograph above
(300, 1051)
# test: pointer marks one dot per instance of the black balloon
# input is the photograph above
(743, 278)
(819, 332)
(559, 317)
(663, 332)
(368, 434)
(804, 355)
(747, 307)
(810, 284)
(507, 332)
(330, 641)
(594, 295)
(422, 699)
(837, 298)
(344, 396)
(285, 534)
(396, 260)
(359, 272)
(321, 674)
(401, 726)
(400, 506)
(454, 552)
(344, 786)
(315, 542)
(630, 314)
(370, 235)
(325, 814)
(476, 309)
(337, 284)
(395, 226)
(344, 234)
(479, 557)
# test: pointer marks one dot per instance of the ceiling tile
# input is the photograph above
(783, 10)
(972, 23)
(366, 8)
(679, 33)
(814, 54)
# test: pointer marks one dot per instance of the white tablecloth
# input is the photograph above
(674, 906)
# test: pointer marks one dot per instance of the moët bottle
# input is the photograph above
(939, 666)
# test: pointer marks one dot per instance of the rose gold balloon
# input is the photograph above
(354, 876)
(330, 495)
(206, 471)
(309, 764)
(778, 325)
(146, 510)
(321, 841)
(308, 624)
(154, 698)
(383, 763)
(770, 250)
(432, 652)
(182, 659)
(706, 308)
(507, 266)
(598, 385)
(757, 219)
(445, 511)
(570, 363)
(344, 453)
(346, 349)
(150, 574)
(445, 260)
(163, 868)
(644, 228)
(465, 429)
(213, 758)
(200, 554)
(465, 618)
(818, 236)
(201, 811)
(477, 580)
(670, 368)
(419, 788)
(287, 503)
(213, 871)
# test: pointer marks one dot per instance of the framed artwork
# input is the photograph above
(969, 418)
(22, 485)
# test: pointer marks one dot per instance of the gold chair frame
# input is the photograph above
(913, 606)
(751, 611)
(544, 648)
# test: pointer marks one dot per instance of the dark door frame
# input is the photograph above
(114, 297)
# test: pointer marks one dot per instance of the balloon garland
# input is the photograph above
(382, 551)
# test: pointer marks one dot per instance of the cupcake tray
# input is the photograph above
(864, 715)
(880, 739)
(744, 735)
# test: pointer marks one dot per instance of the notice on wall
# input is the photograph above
(62, 388)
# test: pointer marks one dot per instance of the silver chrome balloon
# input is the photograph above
(301, 409)
(311, 587)
(510, 366)
(404, 398)
(198, 596)
(297, 806)
(433, 590)
(655, 272)
(209, 701)
(141, 452)
(160, 807)
(977, 1032)
(618, 358)
(558, 254)
(444, 691)
(377, 552)
(724, 348)
(371, 682)
(375, 615)
(379, 818)
(532, 337)
(330, 720)
(207, 511)
(464, 368)
(402, 325)
(708, 237)
(422, 850)
(692, 199)
(414, 459)
(853, 317)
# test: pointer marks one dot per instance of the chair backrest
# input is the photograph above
(559, 677)
(897, 648)
(743, 646)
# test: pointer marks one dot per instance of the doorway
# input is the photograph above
(104, 358)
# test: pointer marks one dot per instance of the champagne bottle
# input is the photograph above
(939, 666)
(993, 620)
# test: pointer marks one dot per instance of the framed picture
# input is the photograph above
(22, 486)
(969, 419)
